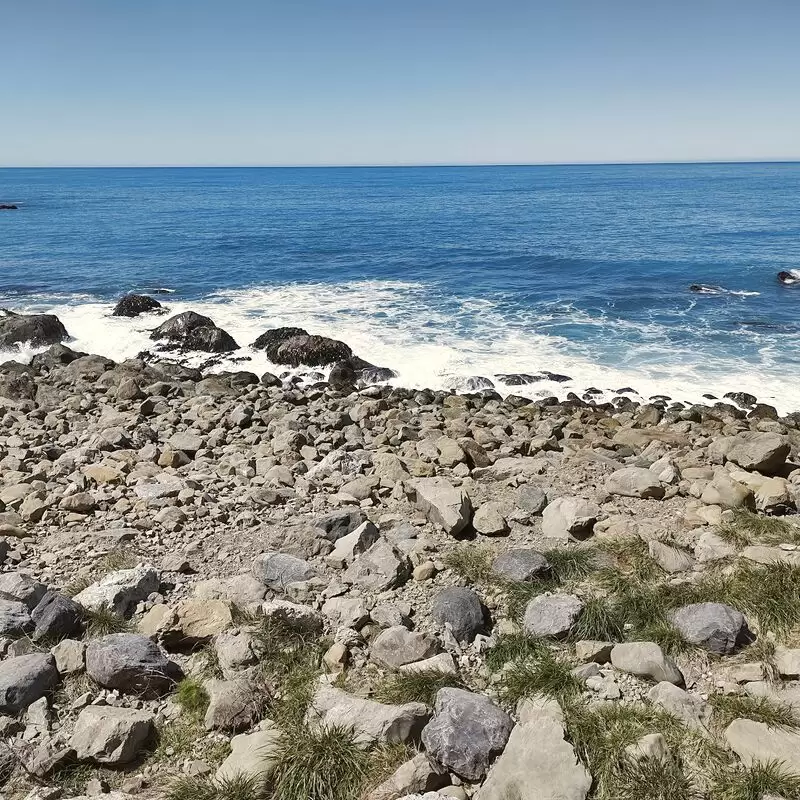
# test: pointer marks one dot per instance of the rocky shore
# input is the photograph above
(225, 586)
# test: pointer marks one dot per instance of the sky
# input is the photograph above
(173, 82)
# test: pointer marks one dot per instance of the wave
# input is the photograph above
(437, 341)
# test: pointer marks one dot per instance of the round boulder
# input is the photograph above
(461, 609)
(716, 627)
(131, 305)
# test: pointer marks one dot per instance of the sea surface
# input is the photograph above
(440, 273)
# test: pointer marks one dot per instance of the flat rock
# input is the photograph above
(278, 570)
(552, 614)
(635, 482)
(253, 755)
(444, 504)
(645, 660)
(120, 591)
(521, 565)
(397, 646)
(111, 735)
(755, 742)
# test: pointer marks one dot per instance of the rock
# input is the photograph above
(645, 660)
(354, 544)
(415, 775)
(347, 612)
(370, 721)
(293, 616)
(191, 331)
(443, 663)
(715, 627)
(186, 442)
(537, 764)
(396, 646)
(728, 493)
(131, 663)
(759, 452)
(24, 679)
(531, 499)
(14, 617)
(131, 305)
(380, 568)
(466, 733)
(253, 756)
(521, 565)
(552, 614)
(233, 704)
(69, 656)
(35, 330)
(56, 617)
(670, 559)
(278, 570)
(337, 524)
(712, 547)
(310, 351)
(787, 662)
(489, 520)
(443, 504)
(199, 620)
(650, 746)
(688, 708)
(22, 587)
(569, 516)
(110, 735)
(272, 339)
(461, 611)
(635, 482)
(120, 591)
(755, 742)
(80, 503)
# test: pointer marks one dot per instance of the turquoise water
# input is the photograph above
(440, 273)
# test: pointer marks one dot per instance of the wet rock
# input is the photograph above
(466, 733)
(35, 330)
(310, 351)
(271, 340)
(192, 331)
(131, 305)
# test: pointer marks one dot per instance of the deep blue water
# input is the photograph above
(447, 272)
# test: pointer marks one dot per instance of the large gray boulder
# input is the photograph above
(521, 565)
(635, 482)
(19, 586)
(278, 570)
(56, 617)
(759, 452)
(537, 764)
(466, 733)
(461, 610)
(444, 505)
(24, 679)
(369, 720)
(645, 660)
(567, 517)
(111, 735)
(716, 627)
(35, 330)
(120, 591)
(552, 614)
(131, 663)
(253, 756)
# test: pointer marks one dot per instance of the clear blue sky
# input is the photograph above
(397, 81)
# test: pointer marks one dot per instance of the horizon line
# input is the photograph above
(414, 165)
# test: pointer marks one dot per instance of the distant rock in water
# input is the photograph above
(296, 347)
(33, 329)
(271, 340)
(8, 207)
(354, 371)
(523, 378)
(790, 277)
(192, 331)
(131, 305)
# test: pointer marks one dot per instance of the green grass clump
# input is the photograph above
(103, 621)
(177, 739)
(750, 528)
(470, 562)
(755, 782)
(571, 564)
(514, 647)
(545, 674)
(728, 707)
(600, 733)
(192, 697)
(414, 687)
(601, 620)
(239, 787)
(631, 557)
(320, 764)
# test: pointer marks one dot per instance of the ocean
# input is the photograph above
(441, 273)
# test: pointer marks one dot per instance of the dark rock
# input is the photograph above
(33, 329)
(268, 379)
(15, 618)
(271, 340)
(336, 524)
(24, 679)
(518, 378)
(8, 207)
(56, 617)
(131, 663)
(311, 351)
(342, 376)
(716, 627)
(57, 355)
(467, 731)
(555, 377)
(741, 398)
(461, 609)
(17, 381)
(192, 331)
(131, 305)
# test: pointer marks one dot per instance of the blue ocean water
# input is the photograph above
(440, 273)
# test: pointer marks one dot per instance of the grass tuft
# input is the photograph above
(545, 674)
(631, 556)
(319, 764)
(192, 697)
(728, 707)
(239, 787)
(414, 687)
(571, 564)
(756, 782)
(601, 620)
(470, 562)
(513, 647)
(654, 779)
(749, 528)
(103, 621)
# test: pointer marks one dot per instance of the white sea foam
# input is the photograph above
(438, 342)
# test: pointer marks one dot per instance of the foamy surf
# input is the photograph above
(433, 341)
